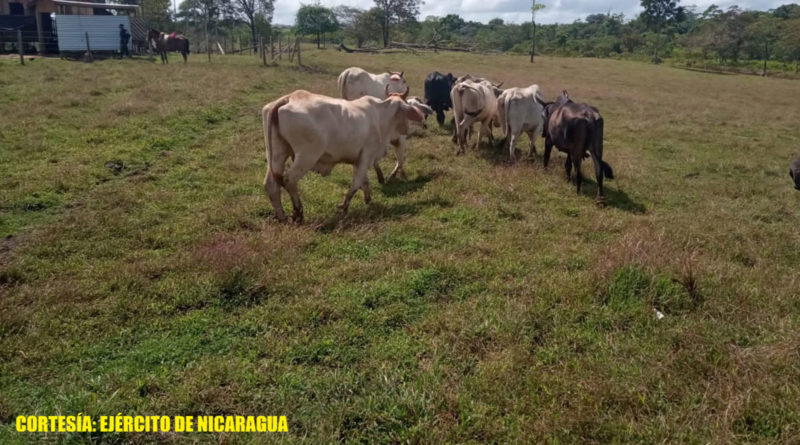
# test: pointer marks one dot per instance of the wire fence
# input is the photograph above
(268, 49)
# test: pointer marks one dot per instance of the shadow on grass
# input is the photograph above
(614, 197)
(397, 187)
(376, 211)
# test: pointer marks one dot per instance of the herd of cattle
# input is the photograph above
(317, 132)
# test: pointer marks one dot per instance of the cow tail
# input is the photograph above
(270, 119)
(597, 142)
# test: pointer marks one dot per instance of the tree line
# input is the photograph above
(663, 29)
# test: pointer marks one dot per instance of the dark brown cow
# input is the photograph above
(794, 172)
(576, 129)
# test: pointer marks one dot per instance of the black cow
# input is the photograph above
(794, 172)
(437, 93)
(576, 129)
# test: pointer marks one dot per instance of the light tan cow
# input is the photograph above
(354, 82)
(518, 110)
(318, 132)
(473, 102)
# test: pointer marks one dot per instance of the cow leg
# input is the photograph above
(300, 166)
(532, 137)
(454, 124)
(548, 148)
(440, 116)
(469, 137)
(598, 174)
(489, 134)
(367, 195)
(400, 152)
(578, 176)
(568, 168)
(379, 172)
(359, 179)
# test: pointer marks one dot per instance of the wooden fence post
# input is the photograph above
(280, 49)
(271, 48)
(297, 46)
(263, 51)
(19, 47)
(88, 56)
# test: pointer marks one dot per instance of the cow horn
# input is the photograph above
(500, 84)
(564, 92)
(401, 73)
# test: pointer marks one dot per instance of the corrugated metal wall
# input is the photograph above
(103, 32)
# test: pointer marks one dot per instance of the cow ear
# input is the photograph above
(411, 113)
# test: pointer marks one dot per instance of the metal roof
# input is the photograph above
(97, 5)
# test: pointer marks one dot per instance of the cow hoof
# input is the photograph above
(282, 219)
(297, 219)
(343, 208)
(601, 201)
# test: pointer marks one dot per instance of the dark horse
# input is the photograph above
(162, 42)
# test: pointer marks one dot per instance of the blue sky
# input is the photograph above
(556, 11)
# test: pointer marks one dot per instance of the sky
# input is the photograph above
(518, 11)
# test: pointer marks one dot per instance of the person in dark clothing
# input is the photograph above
(124, 37)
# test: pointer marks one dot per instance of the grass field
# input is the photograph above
(141, 271)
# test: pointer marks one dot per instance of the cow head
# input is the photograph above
(397, 84)
(392, 89)
(403, 114)
(425, 109)
(497, 90)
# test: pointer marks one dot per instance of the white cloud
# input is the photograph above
(518, 11)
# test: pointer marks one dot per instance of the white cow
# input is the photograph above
(354, 82)
(473, 102)
(318, 132)
(520, 109)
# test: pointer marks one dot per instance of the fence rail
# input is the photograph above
(269, 50)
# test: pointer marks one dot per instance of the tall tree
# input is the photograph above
(765, 32)
(395, 11)
(315, 19)
(156, 12)
(255, 11)
(203, 12)
(368, 26)
(535, 7)
(658, 15)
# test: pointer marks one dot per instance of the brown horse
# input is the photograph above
(162, 42)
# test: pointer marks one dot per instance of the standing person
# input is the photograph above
(124, 37)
